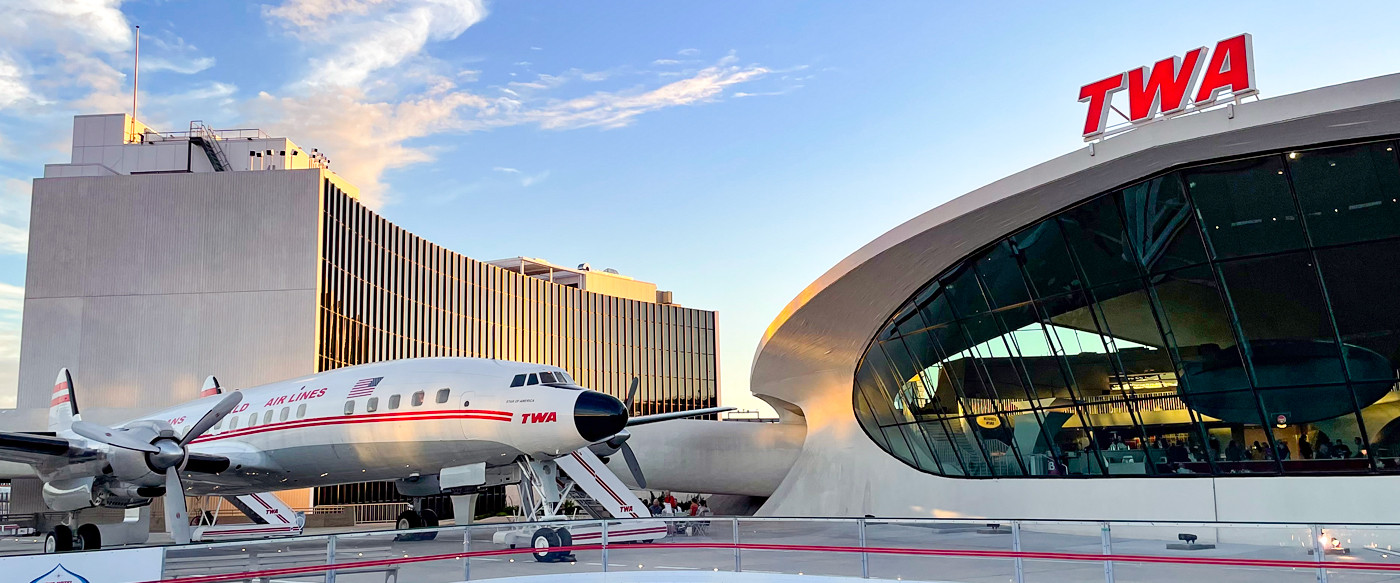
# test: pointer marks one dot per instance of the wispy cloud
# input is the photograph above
(11, 307)
(528, 181)
(688, 52)
(506, 170)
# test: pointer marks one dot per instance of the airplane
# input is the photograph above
(433, 424)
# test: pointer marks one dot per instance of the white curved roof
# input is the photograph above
(808, 354)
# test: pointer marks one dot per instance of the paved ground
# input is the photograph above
(1281, 544)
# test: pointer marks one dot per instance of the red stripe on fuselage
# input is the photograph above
(353, 419)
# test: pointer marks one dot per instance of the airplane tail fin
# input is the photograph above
(63, 408)
(211, 387)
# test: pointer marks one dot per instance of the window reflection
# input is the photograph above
(1107, 341)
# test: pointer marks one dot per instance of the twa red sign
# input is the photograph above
(1165, 88)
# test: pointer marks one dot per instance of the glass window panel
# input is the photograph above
(372, 405)
(1001, 276)
(1252, 451)
(1359, 290)
(962, 439)
(394, 401)
(943, 447)
(995, 433)
(301, 411)
(418, 398)
(1382, 421)
(875, 395)
(267, 416)
(923, 456)
(1161, 225)
(1037, 369)
(1348, 193)
(1096, 237)
(1199, 331)
(964, 294)
(1125, 314)
(1073, 439)
(1245, 206)
(443, 395)
(1072, 332)
(1046, 258)
(1297, 349)
(867, 419)
(898, 445)
(1331, 446)
(936, 311)
(286, 412)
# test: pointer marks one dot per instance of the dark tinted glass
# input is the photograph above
(1106, 341)
(1348, 193)
(1245, 206)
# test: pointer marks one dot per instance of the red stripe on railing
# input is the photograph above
(965, 553)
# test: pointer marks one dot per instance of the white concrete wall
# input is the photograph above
(143, 285)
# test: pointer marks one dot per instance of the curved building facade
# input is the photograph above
(1197, 313)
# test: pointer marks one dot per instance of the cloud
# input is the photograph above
(14, 216)
(688, 52)
(529, 181)
(355, 38)
(14, 90)
(184, 67)
(506, 170)
(665, 62)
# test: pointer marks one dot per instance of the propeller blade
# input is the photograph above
(645, 419)
(177, 516)
(113, 437)
(631, 459)
(213, 417)
(632, 393)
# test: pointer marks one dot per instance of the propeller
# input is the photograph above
(619, 442)
(164, 455)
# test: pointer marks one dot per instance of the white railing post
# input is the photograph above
(1016, 548)
(1319, 553)
(1107, 535)
(738, 563)
(605, 546)
(864, 556)
(467, 548)
(330, 558)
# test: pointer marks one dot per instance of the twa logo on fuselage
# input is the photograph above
(549, 417)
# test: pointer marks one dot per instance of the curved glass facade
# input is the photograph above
(1237, 317)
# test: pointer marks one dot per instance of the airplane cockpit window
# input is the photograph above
(286, 412)
(418, 399)
(442, 395)
(372, 405)
(393, 401)
(518, 381)
(349, 407)
(301, 410)
(534, 379)
(547, 378)
(564, 377)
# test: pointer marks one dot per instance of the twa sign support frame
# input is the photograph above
(1173, 86)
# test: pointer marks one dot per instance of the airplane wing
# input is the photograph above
(645, 419)
(30, 448)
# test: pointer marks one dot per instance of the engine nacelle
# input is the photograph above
(131, 467)
(69, 495)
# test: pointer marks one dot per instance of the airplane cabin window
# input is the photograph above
(443, 394)
(232, 423)
(267, 417)
(349, 407)
(286, 411)
(252, 420)
(418, 399)
(534, 379)
(372, 405)
(301, 410)
(547, 377)
(393, 401)
(518, 381)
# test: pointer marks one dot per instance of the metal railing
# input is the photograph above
(875, 548)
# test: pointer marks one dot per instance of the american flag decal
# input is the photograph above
(364, 388)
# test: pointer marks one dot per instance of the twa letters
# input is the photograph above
(1165, 88)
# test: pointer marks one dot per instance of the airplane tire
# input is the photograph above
(565, 540)
(542, 539)
(58, 540)
(409, 519)
(430, 518)
(90, 537)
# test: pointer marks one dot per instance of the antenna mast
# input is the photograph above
(135, 80)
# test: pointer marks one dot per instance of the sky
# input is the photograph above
(729, 151)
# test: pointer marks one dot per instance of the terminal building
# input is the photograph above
(158, 258)
(1193, 320)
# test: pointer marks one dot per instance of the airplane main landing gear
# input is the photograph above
(545, 538)
(416, 517)
(63, 539)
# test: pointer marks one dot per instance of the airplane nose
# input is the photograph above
(599, 416)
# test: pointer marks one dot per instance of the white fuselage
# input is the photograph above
(381, 421)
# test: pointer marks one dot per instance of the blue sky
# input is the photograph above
(729, 151)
